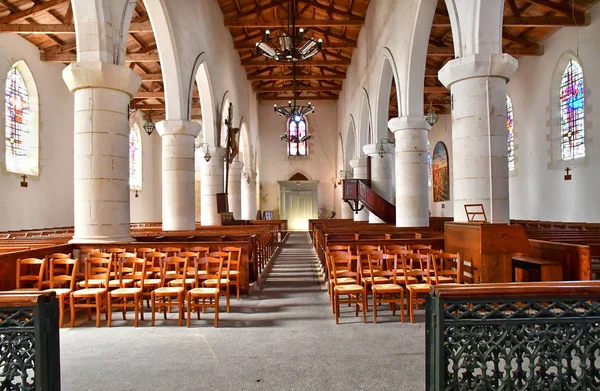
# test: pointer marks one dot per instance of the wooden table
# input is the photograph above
(548, 270)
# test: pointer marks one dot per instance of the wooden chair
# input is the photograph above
(343, 262)
(447, 268)
(386, 292)
(171, 251)
(394, 247)
(63, 273)
(96, 269)
(419, 247)
(213, 267)
(30, 274)
(235, 261)
(164, 292)
(224, 280)
(372, 262)
(367, 247)
(141, 252)
(201, 251)
(152, 280)
(50, 258)
(130, 269)
(339, 248)
(356, 293)
(192, 257)
(419, 271)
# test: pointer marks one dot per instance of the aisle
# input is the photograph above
(283, 337)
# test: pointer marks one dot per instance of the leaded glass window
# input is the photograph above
(572, 143)
(296, 132)
(135, 158)
(429, 178)
(510, 130)
(21, 138)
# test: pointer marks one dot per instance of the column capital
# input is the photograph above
(478, 65)
(408, 122)
(373, 149)
(217, 151)
(236, 165)
(358, 163)
(180, 128)
(96, 74)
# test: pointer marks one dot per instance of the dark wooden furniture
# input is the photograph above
(488, 246)
(542, 269)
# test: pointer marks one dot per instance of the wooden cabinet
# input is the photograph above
(488, 246)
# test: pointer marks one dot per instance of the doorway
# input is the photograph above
(298, 203)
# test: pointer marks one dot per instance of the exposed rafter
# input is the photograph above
(257, 23)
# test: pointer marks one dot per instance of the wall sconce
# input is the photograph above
(382, 152)
(567, 175)
(207, 155)
(248, 179)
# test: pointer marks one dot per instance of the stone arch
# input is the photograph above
(207, 104)
(365, 129)
(350, 148)
(245, 147)
(221, 133)
(299, 175)
(387, 75)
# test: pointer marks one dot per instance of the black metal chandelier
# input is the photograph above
(292, 110)
(289, 46)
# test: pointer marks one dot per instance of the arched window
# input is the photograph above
(429, 178)
(21, 122)
(135, 158)
(296, 133)
(511, 134)
(572, 142)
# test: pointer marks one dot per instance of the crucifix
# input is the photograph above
(230, 154)
(567, 176)
(24, 181)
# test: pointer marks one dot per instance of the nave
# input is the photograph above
(280, 337)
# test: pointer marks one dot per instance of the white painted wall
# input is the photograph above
(276, 166)
(537, 191)
(48, 200)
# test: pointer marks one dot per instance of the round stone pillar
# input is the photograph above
(382, 174)
(359, 170)
(234, 189)
(412, 192)
(479, 162)
(102, 93)
(178, 174)
(249, 196)
(212, 182)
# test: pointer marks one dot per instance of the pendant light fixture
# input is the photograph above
(149, 124)
(431, 117)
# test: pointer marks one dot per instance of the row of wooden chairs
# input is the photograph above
(388, 275)
(107, 276)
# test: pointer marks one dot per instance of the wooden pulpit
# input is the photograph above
(488, 246)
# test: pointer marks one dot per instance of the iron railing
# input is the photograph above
(29, 342)
(534, 336)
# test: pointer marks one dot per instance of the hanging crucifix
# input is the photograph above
(230, 154)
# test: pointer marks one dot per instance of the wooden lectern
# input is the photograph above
(488, 246)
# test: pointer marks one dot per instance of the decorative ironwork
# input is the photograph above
(513, 344)
(29, 346)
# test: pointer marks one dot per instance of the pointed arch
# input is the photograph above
(221, 130)
(22, 124)
(365, 134)
(297, 128)
(387, 76)
(350, 150)
(135, 158)
(207, 104)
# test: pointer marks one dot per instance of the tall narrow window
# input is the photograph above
(429, 178)
(135, 158)
(572, 143)
(510, 130)
(296, 133)
(21, 122)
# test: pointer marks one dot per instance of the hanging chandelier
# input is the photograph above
(289, 46)
(431, 116)
(294, 110)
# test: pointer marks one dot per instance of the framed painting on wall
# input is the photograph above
(441, 173)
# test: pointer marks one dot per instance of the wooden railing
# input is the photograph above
(359, 192)
(533, 336)
(29, 342)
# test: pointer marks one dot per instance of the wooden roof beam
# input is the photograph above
(298, 88)
(72, 57)
(298, 77)
(310, 63)
(289, 97)
(32, 11)
(61, 28)
(566, 9)
(528, 21)
(447, 51)
(326, 45)
(257, 23)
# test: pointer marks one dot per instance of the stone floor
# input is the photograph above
(283, 337)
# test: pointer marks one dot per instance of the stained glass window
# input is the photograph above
(135, 158)
(21, 138)
(510, 134)
(296, 131)
(572, 142)
(429, 180)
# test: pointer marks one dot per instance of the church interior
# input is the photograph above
(299, 194)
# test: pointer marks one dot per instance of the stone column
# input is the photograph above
(382, 174)
(412, 192)
(359, 169)
(478, 87)
(234, 189)
(212, 182)
(178, 174)
(102, 93)
(249, 196)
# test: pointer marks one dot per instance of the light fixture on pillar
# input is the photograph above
(207, 155)
(289, 46)
(149, 124)
(382, 151)
(431, 116)
(248, 179)
(131, 112)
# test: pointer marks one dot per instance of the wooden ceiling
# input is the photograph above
(527, 23)
(337, 22)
